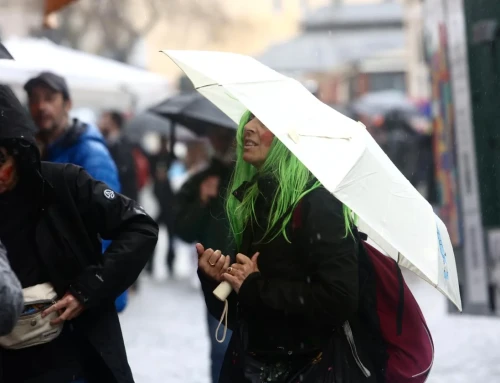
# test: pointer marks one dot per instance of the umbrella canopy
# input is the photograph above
(339, 152)
(4, 53)
(193, 111)
(146, 122)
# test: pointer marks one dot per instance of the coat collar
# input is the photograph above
(267, 186)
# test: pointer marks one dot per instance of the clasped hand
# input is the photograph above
(217, 266)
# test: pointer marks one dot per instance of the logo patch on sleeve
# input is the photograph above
(109, 194)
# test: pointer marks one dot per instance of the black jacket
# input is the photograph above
(162, 189)
(76, 212)
(121, 151)
(305, 289)
(207, 224)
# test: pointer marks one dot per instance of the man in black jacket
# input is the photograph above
(54, 217)
(120, 148)
(160, 165)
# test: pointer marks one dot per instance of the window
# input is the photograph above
(387, 81)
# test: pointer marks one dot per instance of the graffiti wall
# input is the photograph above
(443, 115)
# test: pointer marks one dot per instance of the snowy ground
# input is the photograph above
(167, 341)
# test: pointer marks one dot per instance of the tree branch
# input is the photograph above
(114, 21)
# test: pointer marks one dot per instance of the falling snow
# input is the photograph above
(167, 340)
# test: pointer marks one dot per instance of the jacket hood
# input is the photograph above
(16, 126)
(15, 121)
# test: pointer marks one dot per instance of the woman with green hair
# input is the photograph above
(295, 277)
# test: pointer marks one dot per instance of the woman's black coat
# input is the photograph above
(304, 291)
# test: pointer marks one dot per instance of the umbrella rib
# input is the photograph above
(205, 86)
(241, 83)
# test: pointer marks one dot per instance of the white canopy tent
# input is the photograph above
(95, 82)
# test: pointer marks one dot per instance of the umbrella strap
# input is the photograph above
(223, 318)
(401, 304)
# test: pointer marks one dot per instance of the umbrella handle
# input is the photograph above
(222, 291)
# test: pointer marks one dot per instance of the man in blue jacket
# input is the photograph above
(69, 141)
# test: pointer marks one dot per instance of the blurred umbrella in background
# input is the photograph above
(381, 109)
(194, 112)
(383, 102)
(137, 127)
(4, 53)
(401, 128)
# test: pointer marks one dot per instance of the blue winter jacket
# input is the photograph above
(84, 145)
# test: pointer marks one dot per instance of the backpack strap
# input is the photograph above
(401, 303)
(297, 216)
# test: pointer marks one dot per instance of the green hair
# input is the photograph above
(294, 182)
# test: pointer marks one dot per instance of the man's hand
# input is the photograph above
(69, 308)
(239, 271)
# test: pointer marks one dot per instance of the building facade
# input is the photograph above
(417, 69)
(348, 47)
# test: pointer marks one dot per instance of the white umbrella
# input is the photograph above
(339, 152)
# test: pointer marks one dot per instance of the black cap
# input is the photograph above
(50, 80)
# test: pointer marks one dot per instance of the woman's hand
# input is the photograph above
(239, 271)
(212, 263)
(69, 308)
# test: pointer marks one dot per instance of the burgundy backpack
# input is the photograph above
(401, 348)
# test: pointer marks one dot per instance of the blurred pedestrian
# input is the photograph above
(160, 165)
(11, 295)
(142, 166)
(53, 216)
(69, 141)
(66, 140)
(121, 150)
(200, 216)
(197, 158)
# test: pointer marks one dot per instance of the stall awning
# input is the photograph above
(82, 70)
